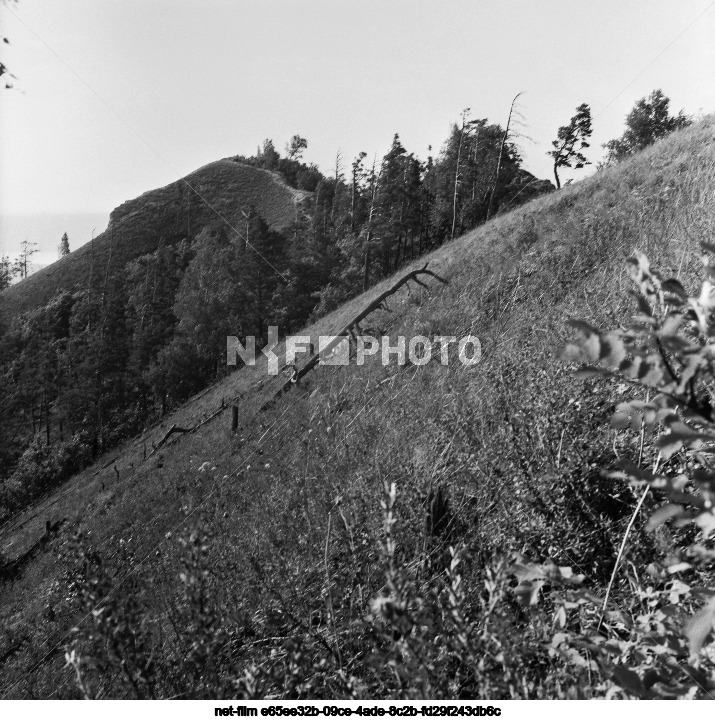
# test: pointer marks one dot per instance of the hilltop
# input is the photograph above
(210, 196)
(367, 519)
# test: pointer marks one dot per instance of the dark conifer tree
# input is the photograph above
(64, 246)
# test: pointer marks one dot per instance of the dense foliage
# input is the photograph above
(648, 121)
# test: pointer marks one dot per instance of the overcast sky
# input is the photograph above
(114, 98)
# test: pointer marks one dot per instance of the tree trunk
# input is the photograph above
(365, 270)
(501, 152)
(456, 179)
(368, 238)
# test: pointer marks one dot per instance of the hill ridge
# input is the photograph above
(171, 212)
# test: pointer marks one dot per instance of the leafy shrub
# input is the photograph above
(118, 645)
(42, 468)
(655, 641)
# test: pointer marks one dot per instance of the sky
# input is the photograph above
(116, 97)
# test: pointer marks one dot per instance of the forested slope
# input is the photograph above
(125, 329)
(213, 194)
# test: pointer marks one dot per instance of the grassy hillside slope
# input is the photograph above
(173, 212)
(283, 562)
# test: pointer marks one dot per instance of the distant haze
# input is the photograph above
(46, 230)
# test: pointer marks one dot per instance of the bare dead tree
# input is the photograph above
(375, 183)
(501, 152)
(356, 174)
(338, 179)
(465, 112)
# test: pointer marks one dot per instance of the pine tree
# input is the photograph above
(22, 262)
(477, 160)
(294, 149)
(570, 140)
(390, 202)
(210, 304)
(648, 121)
(7, 272)
(261, 270)
(64, 246)
(269, 156)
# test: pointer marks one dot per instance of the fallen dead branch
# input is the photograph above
(105, 466)
(353, 329)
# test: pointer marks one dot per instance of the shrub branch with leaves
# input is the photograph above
(118, 644)
(653, 642)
